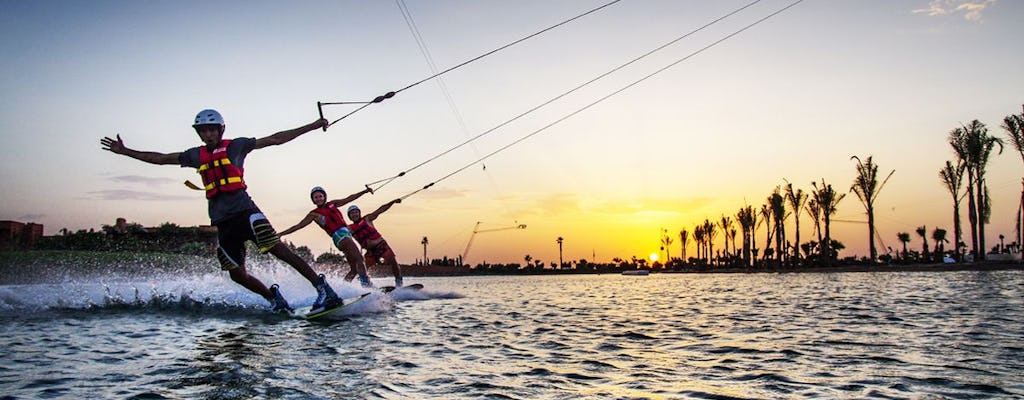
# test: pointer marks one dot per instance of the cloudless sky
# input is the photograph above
(791, 99)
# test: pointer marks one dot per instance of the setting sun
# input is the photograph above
(653, 257)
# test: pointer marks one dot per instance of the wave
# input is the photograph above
(212, 293)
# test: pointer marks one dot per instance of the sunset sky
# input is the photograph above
(791, 99)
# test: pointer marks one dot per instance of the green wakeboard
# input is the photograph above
(304, 312)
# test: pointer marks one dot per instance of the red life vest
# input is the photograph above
(219, 175)
(363, 232)
(333, 219)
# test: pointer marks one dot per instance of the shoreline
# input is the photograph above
(34, 266)
(419, 270)
(937, 267)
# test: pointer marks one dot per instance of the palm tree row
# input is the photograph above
(973, 148)
(819, 205)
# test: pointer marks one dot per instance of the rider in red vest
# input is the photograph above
(367, 235)
(328, 217)
(232, 211)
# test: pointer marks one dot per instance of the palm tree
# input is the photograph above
(709, 237)
(559, 240)
(766, 216)
(828, 200)
(974, 146)
(666, 241)
(959, 140)
(726, 225)
(753, 233)
(905, 238)
(867, 188)
(814, 210)
(698, 236)
(778, 207)
(527, 259)
(796, 199)
(953, 177)
(923, 232)
(424, 243)
(939, 236)
(747, 219)
(732, 238)
(684, 237)
(1014, 126)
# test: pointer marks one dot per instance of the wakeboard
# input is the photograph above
(389, 289)
(304, 312)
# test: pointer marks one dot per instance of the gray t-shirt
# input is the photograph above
(226, 205)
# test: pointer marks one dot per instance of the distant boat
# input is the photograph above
(1003, 256)
(637, 272)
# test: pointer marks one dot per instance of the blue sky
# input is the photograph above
(790, 99)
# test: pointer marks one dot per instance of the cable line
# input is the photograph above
(391, 94)
(606, 97)
(422, 43)
(560, 96)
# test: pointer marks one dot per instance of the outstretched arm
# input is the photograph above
(351, 198)
(286, 136)
(380, 210)
(299, 225)
(117, 146)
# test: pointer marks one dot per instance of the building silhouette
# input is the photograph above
(16, 235)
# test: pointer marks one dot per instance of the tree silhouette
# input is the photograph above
(684, 237)
(905, 238)
(953, 177)
(666, 241)
(698, 238)
(753, 233)
(939, 236)
(974, 146)
(777, 203)
(923, 232)
(709, 238)
(726, 224)
(1014, 126)
(766, 216)
(796, 198)
(814, 211)
(560, 263)
(828, 200)
(747, 219)
(867, 188)
(424, 242)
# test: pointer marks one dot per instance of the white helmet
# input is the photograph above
(317, 189)
(208, 117)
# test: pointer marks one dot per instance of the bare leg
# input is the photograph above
(354, 258)
(242, 277)
(395, 269)
(284, 254)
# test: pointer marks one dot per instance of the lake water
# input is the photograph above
(913, 335)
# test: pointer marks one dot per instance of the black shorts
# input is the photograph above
(233, 232)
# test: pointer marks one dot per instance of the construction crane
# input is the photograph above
(476, 230)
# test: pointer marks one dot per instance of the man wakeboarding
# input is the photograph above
(237, 218)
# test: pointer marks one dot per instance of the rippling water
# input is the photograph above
(916, 335)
